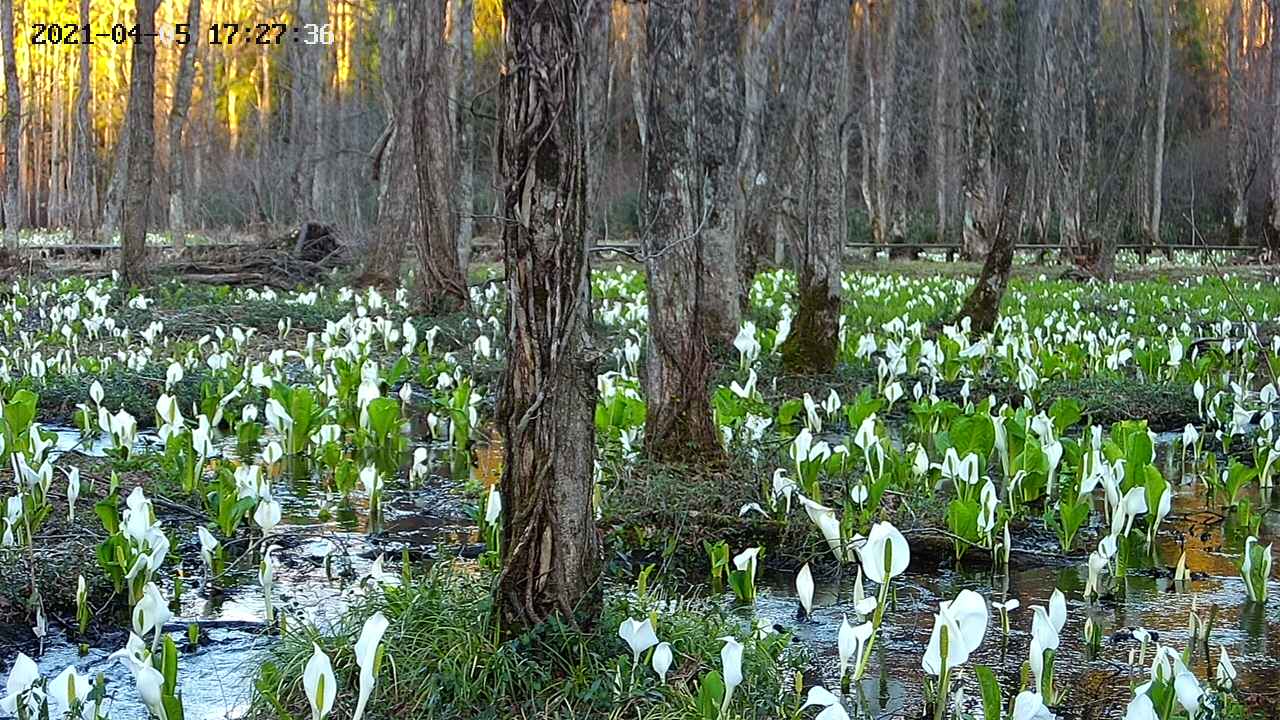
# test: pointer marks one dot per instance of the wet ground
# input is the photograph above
(432, 522)
(429, 522)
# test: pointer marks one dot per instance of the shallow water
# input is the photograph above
(431, 522)
(1098, 684)
(428, 522)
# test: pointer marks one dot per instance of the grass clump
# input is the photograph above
(443, 659)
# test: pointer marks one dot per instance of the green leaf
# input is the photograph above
(710, 695)
(990, 687)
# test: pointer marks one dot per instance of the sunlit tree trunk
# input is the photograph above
(813, 343)
(442, 284)
(141, 151)
(12, 131)
(182, 88)
(84, 182)
(551, 551)
(678, 423)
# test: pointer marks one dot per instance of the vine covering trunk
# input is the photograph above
(551, 552)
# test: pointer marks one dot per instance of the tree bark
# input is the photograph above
(141, 151)
(12, 132)
(393, 163)
(442, 283)
(678, 423)
(1272, 235)
(596, 107)
(982, 307)
(551, 551)
(463, 84)
(182, 87)
(813, 343)
(938, 125)
(1236, 114)
(754, 198)
(717, 78)
(84, 225)
(1162, 105)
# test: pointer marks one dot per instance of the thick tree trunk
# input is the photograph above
(182, 87)
(84, 182)
(814, 341)
(141, 152)
(442, 283)
(717, 78)
(678, 424)
(12, 131)
(551, 551)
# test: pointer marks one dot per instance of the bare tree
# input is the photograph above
(754, 201)
(442, 283)
(141, 150)
(462, 89)
(83, 157)
(393, 157)
(717, 79)
(813, 343)
(1272, 232)
(1236, 111)
(982, 306)
(1162, 109)
(12, 131)
(551, 552)
(678, 211)
(182, 88)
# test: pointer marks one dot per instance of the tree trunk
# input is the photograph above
(982, 307)
(141, 151)
(442, 283)
(813, 343)
(551, 551)
(678, 423)
(12, 131)
(938, 124)
(754, 198)
(1272, 236)
(85, 184)
(182, 87)
(393, 165)
(717, 78)
(596, 107)
(463, 83)
(1162, 105)
(1236, 114)
(303, 115)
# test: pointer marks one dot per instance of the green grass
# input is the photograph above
(442, 660)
